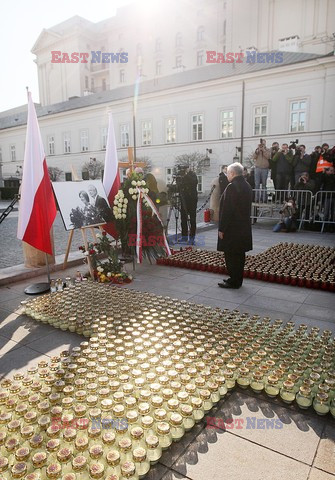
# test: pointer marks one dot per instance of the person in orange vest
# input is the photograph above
(324, 161)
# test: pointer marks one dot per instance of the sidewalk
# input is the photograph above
(301, 449)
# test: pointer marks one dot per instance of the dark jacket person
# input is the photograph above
(235, 237)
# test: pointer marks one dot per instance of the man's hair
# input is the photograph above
(303, 146)
(325, 145)
(285, 144)
(236, 167)
(92, 186)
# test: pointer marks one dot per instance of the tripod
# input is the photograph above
(175, 206)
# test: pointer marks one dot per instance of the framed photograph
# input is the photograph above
(82, 204)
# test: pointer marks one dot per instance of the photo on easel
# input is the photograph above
(82, 204)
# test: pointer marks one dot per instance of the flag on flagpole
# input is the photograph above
(37, 210)
(111, 180)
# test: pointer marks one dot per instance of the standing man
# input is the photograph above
(301, 162)
(273, 167)
(235, 237)
(283, 160)
(187, 184)
(261, 161)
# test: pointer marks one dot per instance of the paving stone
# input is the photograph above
(291, 433)
(316, 474)
(322, 299)
(19, 360)
(229, 456)
(316, 312)
(20, 328)
(53, 344)
(273, 304)
(290, 293)
(325, 456)
(7, 345)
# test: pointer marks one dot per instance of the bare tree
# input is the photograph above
(198, 162)
(54, 173)
(94, 168)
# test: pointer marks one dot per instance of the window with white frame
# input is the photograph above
(12, 150)
(158, 67)
(51, 145)
(199, 186)
(68, 176)
(170, 130)
(67, 142)
(298, 115)
(227, 123)
(124, 134)
(103, 138)
(200, 58)
(260, 119)
(200, 33)
(146, 132)
(122, 76)
(84, 140)
(197, 126)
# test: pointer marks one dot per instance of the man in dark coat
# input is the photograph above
(187, 187)
(235, 237)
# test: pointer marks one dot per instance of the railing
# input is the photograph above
(324, 208)
(318, 208)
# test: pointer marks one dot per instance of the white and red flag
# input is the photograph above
(37, 210)
(111, 180)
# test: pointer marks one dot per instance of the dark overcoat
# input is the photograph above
(234, 217)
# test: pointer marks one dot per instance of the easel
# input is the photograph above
(84, 235)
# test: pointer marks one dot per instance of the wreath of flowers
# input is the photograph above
(124, 210)
(110, 270)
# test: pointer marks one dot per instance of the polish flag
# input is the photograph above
(111, 180)
(37, 210)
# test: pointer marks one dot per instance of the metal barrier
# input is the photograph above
(274, 201)
(324, 208)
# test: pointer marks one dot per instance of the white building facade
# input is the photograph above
(190, 112)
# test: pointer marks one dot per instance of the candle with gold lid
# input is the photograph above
(321, 403)
(164, 434)
(81, 443)
(128, 469)
(22, 454)
(142, 463)
(113, 457)
(39, 459)
(27, 431)
(287, 392)
(19, 470)
(53, 445)
(272, 386)
(304, 397)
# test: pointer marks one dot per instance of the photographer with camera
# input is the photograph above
(304, 183)
(187, 183)
(261, 161)
(301, 162)
(273, 167)
(283, 160)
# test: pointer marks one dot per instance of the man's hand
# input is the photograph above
(221, 235)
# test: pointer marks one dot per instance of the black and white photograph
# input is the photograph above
(82, 204)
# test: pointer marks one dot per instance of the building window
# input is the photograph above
(68, 176)
(260, 119)
(158, 67)
(227, 124)
(146, 133)
(124, 131)
(51, 145)
(200, 58)
(197, 126)
(12, 149)
(170, 130)
(86, 82)
(158, 45)
(122, 76)
(179, 40)
(67, 143)
(200, 34)
(84, 140)
(199, 186)
(298, 116)
(103, 83)
(179, 61)
(103, 138)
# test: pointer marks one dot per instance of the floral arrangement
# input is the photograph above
(124, 210)
(109, 270)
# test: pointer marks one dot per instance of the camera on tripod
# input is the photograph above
(173, 189)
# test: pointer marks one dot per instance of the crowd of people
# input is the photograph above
(292, 168)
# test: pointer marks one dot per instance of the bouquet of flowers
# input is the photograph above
(124, 210)
(109, 270)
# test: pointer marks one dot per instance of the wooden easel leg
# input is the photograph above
(68, 249)
(83, 232)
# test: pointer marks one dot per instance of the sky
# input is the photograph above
(21, 22)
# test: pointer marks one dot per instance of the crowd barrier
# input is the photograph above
(318, 208)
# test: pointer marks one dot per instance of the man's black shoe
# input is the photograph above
(226, 284)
